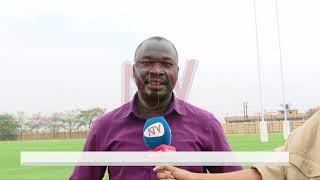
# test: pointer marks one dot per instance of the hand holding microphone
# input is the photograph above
(157, 137)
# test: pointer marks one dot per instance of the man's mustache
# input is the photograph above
(161, 80)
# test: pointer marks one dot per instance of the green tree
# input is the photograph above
(70, 121)
(21, 119)
(36, 122)
(55, 123)
(8, 127)
(87, 117)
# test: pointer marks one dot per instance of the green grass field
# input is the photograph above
(10, 168)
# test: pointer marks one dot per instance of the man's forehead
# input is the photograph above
(160, 49)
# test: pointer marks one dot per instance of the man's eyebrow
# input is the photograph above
(163, 58)
(166, 58)
(144, 57)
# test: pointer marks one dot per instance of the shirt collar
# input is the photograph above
(176, 105)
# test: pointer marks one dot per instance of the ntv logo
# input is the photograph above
(154, 130)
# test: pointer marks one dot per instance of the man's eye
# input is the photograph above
(166, 64)
(146, 63)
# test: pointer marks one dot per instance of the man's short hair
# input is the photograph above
(158, 38)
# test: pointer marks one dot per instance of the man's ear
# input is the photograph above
(133, 72)
(178, 73)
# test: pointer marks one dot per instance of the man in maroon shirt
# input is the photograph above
(155, 72)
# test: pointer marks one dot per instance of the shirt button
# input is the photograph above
(309, 171)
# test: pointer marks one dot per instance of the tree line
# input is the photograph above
(21, 123)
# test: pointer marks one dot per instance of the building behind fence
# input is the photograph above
(250, 124)
(253, 127)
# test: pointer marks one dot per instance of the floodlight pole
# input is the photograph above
(262, 123)
(285, 125)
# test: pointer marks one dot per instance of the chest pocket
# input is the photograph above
(302, 168)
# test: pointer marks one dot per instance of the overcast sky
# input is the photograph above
(59, 55)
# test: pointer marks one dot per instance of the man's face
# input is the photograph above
(156, 69)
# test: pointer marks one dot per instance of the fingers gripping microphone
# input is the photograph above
(157, 135)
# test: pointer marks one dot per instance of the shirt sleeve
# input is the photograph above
(218, 142)
(273, 172)
(89, 172)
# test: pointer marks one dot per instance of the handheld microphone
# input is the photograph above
(157, 135)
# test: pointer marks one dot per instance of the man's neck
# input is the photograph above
(148, 107)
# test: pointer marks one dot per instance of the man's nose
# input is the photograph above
(156, 69)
